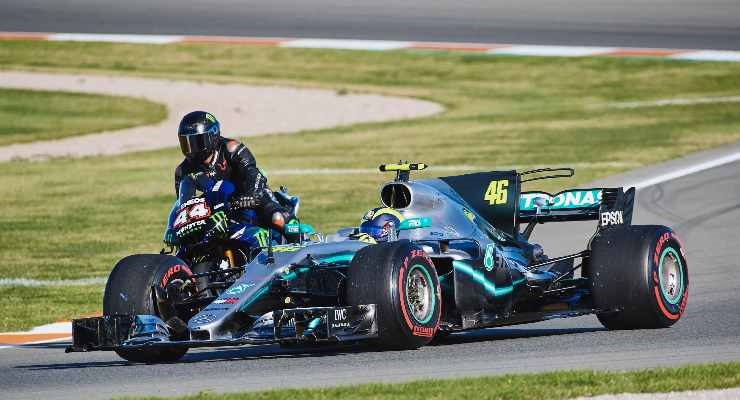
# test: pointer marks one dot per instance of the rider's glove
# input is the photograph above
(218, 225)
(245, 202)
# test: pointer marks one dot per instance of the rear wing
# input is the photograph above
(496, 196)
(609, 206)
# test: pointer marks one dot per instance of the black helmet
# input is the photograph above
(198, 133)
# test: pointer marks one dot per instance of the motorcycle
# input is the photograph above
(218, 260)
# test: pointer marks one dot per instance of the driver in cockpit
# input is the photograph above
(379, 225)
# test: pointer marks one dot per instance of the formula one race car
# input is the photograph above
(457, 260)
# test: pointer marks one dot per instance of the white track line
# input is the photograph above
(708, 55)
(727, 159)
(386, 45)
(344, 44)
(714, 394)
(59, 339)
(115, 38)
(675, 102)
(61, 331)
(553, 51)
(56, 327)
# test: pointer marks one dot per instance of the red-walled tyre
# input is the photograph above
(129, 291)
(639, 274)
(401, 280)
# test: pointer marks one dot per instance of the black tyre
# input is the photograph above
(440, 337)
(129, 291)
(641, 272)
(401, 280)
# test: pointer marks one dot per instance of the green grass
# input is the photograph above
(29, 116)
(553, 385)
(74, 218)
(27, 307)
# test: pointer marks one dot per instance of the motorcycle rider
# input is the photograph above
(207, 152)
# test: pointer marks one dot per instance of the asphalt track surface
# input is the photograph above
(687, 24)
(703, 207)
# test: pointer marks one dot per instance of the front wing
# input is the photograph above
(310, 325)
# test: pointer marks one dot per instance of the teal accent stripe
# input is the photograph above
(345, 257)
(314, 323)
(477, 276)
(504, 291)
(294, 274)
(446, 280)
(256, 296)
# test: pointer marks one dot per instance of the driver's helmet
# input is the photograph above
(198, 133)
(381, 223)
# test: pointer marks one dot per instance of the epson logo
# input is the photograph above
(612, 218)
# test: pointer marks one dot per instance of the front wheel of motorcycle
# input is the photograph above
(130, 291)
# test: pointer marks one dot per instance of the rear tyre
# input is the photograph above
(401, 280)
(129, 291)
(639, 277)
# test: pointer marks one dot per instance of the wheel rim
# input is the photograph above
(671, 275)
(183, 291)
(420, 294)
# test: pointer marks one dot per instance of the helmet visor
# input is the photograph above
(379, 233)
(197, 146)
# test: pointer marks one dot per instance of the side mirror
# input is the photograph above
(415, 223)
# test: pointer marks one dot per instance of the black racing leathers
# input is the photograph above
(235, 163)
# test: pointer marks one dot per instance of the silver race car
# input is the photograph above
(440, 255)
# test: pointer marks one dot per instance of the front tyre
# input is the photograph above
(129, 291)
(639, 274)
(401, 280)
